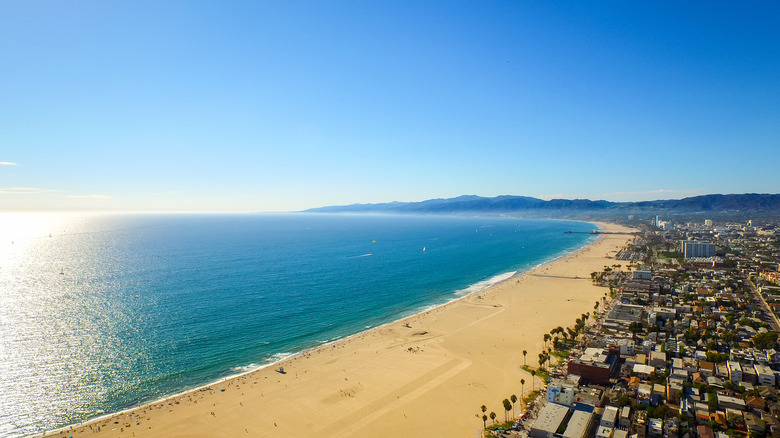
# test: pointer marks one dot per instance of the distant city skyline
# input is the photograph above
(284, 106)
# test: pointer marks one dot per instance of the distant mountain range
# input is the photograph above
(744, 205)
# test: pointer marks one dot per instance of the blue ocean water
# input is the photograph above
(99, 313)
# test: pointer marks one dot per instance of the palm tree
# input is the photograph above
(507, 408)
(533, 374)
(513, 399)
(493, 417)
(546, 338)
(525, 353)
(522, 388)
(483, 408)
(484, 421)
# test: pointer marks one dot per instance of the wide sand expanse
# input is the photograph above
(424, 376)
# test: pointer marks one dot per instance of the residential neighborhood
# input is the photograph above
(683, 343)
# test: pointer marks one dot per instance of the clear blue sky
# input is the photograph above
(274, 106)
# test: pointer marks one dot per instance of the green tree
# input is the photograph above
(513, 399)
(484, 421)
(712, 401)
(525, 353)
(522, 388)
(533, 374)
(765, 341)
(507, 408)
(493, 417)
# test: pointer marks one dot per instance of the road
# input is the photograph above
(775, 323)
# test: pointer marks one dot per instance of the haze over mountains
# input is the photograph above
(716, 206)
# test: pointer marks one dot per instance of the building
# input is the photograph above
(655, 428)
(624, 420)
(728, 402)
(609, 417)
(643, 371)
(626, 313)
(643, 275)
(579, 425)
(766, 377)
(749, 374)
(657, 359)
(549, 420)
(595, 365)
(693, 248)
(561, 391)
(626, 346)
(735, 371)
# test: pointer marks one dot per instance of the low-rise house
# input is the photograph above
(729, 402)
(704, 432)
(639, 425)
(719, 417)
(626, 346)
(657, 359)
(659, 394)
(749, 374)
(624, 420)
(702, 412)
(772, 422)
(722, 371)
(655, 428)
(548, 421)
(735, 371)
(674, 388)
(644, 394)
(714, 381)
(561, 391)
(604, 432)
(579, 425)
(609, 417)
(765, 375)
(754, 423)
(643, 371)
(706, 368)
(755, 404)
(680, 373)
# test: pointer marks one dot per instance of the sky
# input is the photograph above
(286, 105)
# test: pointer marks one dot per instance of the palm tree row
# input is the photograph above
(509, 405)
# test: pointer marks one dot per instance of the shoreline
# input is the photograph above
(171, 423)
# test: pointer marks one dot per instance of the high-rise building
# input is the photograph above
(693, 248)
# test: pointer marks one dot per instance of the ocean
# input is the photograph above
(100, 313)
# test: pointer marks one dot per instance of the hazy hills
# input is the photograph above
(719, 206)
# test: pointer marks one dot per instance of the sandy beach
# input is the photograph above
(426, 375)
